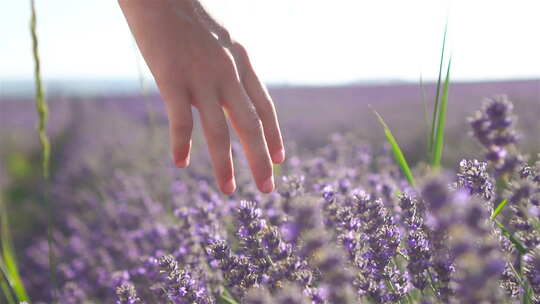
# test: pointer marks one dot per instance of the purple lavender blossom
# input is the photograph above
(418, 251)
(473, 177)
(126, 294)
(493, 128)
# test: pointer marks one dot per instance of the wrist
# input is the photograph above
(184, 9)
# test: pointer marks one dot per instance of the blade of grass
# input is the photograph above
(437, 93)
(8, 257)
(43, 113)
(226, 298)
(41, 105)
(276, 168)
(438, 144)
(5, 285)
(499, 208)
(505, 232)
(396, 150)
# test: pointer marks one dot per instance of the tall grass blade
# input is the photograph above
(437, 93)
(441, 121)
(396, 151)
(499, 208)
(505, 232)
(43, 113)
(8, 257)
(5, 285)
(226, 298)
(41, 105)
(276, 168)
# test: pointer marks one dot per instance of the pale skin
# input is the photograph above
(196, 64)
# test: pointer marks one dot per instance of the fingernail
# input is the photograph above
(183, 163)
(268, 185)
(279, 156)
(229, 187)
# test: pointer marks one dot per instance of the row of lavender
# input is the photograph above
(343, 227)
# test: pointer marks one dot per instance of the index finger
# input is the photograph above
(248, 126)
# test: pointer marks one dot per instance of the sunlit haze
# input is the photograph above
(294, 41)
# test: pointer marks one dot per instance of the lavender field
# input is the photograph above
(345, 224)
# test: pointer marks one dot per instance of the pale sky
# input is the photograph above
(294, 41)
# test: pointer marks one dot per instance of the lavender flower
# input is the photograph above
(418, 251)
(126, 294)
(382, 240)
(493, 128)
(473, 177)
(180, 286)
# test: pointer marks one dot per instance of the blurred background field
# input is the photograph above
(109, 134)
(101, 139)
(129, 131)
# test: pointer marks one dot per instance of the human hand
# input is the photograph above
(192, 67)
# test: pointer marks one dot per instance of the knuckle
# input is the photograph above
(218, 132)
(265, 110)
(254, 125)
(225, 63)
(239, 50)
(181, 128)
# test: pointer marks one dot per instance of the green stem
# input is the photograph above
(434, 118)
(43, 114)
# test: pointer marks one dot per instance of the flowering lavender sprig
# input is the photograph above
(532, 271)
(479, 261)
(493, 128)
(126, 294)
(438, 200)
(307, 223)
(382, 239)
(180, 285)
(418, 252)
(521, 196)
(472, 176)
(468, 260)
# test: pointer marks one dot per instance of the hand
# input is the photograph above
(193, 68)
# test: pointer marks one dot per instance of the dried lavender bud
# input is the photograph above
(532, 269)
(519, 199)
(438, 200)
(493, 128)
(126, 294)
(417, 243)
(328, 261)
(180, 285)
(473, 177)
(381, 239)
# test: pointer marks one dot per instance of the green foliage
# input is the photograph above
(276, 168)
(440, 113)
(18, 166)
(396, 151)
(8, 261)
(512, 239)
(226, 298)
(41, 105)
(434, 117)
(499, 208)
(7, 292)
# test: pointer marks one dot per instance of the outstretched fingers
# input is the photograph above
(218, 141)
(265, 110)
(249, 128)
(180, 127)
